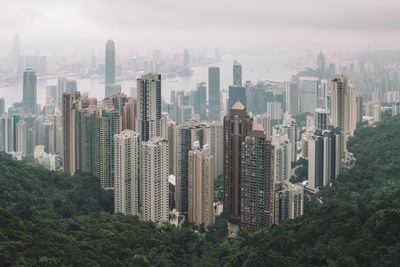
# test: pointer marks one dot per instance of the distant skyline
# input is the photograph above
(65, 26)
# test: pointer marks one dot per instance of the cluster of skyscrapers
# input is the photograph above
(163, 158)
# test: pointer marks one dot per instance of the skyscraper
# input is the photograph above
(6, 133)
(321, 119)
(61, 83)
(87, 137)
(274, 110)
(51, 93)
(186, 135)
(201, 185)
(186, 57)
(200, 101)
(257, 181)
(21, 137)
(308, 89)
(345, 109)
(29, 92)
(214, 98)
(110, 63)
(129, 114)
(283, 169)
(237, 73)
(2, 106)
(126, 174)
(324, 162)
(68, 138)
(322, 94)
(154, 179)
(217, 145)
(71, 86)
(113, 89)
(172, 149)
(148, 106)
(237, 125)
(109, 125)
(292, 97)
(321, 65)
(339, 107)
(265, 121)
(236, 93)
(16, 54)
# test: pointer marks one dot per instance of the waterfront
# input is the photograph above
(255, 68)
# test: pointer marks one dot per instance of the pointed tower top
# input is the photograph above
(238, 106)
(257, 127)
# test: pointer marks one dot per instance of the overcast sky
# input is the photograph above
(234, 24)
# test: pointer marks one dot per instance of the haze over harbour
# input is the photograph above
(268, 66)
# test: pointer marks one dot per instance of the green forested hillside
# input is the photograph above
(50, 219)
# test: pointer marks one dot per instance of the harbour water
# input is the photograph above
(255, 68)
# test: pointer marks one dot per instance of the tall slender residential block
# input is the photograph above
(87, 137)
(324, 161)
(321, 119)
(237, 73)
(71, 86)
(15, 56)
(257, 181)
(265, 121)
(154, 179)
(126, 174)
(292, 97)
(340, 108)
(282, 156)
(217, 145)
(289, 129)
(6, 133)
(129, 114)
(149, 106)
(172, 148)
(68, 138)
(2, 106)
(321, 65)
(110, 63)
(346, 109)
(237, 125)
(30, 92)
(214, 97)
(61, 84)
(109, 125)
(186, 57)
(308, 92)
(21, 137)
(186, 135)
(113, 89)
(201, 185)
(200, 101)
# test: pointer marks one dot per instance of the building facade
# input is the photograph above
(257, 182)
(201, 185)
(154, 186)
(126, 174)
(237, 125)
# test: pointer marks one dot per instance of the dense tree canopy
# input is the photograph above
(51, 219)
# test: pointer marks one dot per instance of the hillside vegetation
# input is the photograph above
(50, 219)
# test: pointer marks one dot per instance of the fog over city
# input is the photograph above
(199, 133)
(62, 26)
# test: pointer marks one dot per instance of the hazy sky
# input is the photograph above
(148, 24)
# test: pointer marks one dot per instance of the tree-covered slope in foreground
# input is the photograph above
(358, 223)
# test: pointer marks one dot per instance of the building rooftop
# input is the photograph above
(238, 106)
(257, 127)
